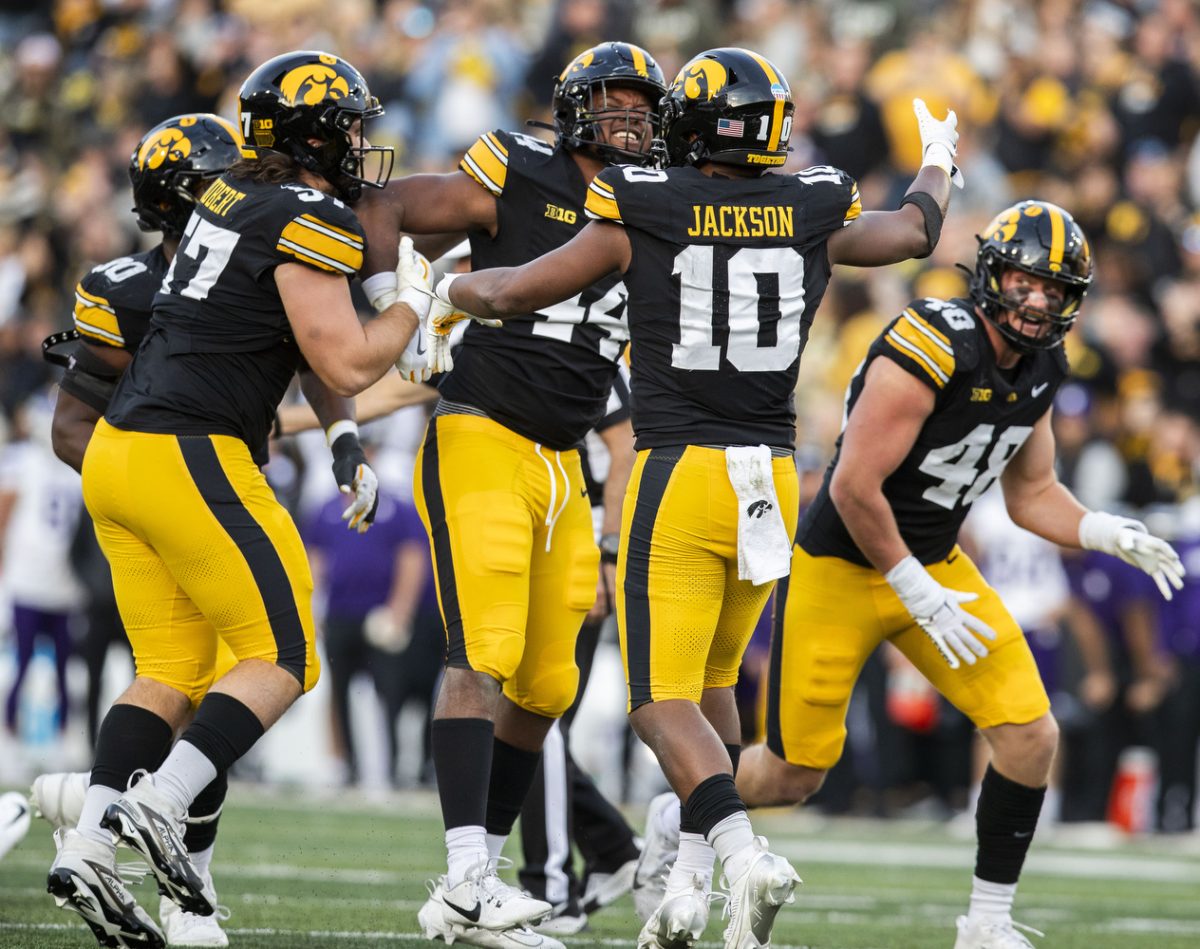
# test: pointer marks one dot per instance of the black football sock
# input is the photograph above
(462, 761)
(204, 814)
(513, 771)
(1005, 820)
(130, 738)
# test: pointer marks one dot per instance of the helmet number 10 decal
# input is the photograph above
(760, 294)
(957, 465)
(764, 129)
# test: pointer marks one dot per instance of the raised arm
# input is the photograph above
(598, 250)
(887, 237)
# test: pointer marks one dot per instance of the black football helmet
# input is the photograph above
(294, 98)
(170, 164)
(580, 97)
(1042, 239)
(730, 106)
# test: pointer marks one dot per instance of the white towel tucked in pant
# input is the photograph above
(764, 548)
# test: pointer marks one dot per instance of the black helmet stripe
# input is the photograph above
(777, 117)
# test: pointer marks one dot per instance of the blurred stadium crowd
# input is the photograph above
(1092, 104)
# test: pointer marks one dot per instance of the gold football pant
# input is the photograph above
(514, 555)
(684, 616)
(199, 549)
(835, 613)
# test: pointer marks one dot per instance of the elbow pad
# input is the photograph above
(933, 217)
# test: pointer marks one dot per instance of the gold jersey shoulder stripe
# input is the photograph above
(929, 328)
(917, 356)
(96, 319)
(601, 202)
(855, 208)
(333, 230)
(922, 338)
(319, 244)
(487, 162)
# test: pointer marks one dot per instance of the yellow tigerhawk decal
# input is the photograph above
(1004, 224)
(169, 145)
(313, 83)
(705, 77)
(582, 61)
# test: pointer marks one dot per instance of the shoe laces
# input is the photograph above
(486, 875)
(1014, 925)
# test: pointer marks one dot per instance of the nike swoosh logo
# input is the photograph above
(1038, 390)
(420, 343)
(1021, 836)
(21, 810)
(952, 558)
(472, 914)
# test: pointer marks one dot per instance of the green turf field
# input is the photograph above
(305, 872)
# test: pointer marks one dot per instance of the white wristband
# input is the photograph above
(378, 287)
(915, 586)
(442, 290)
(340, 428)
(938, 155)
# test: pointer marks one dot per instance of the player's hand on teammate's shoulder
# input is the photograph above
(1130, 540)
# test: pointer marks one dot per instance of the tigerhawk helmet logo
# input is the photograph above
(170, 145)
(582, 61)
(705, 77)
(313, 83)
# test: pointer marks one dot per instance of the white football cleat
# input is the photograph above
(83, 878)
(659, 849)
(148, 822)
(600, 889)
(58, 797)
(14, 820)
(188, 929)
(437, 921)
(755, 898)
(679, 921)
(982, 933)
(484, 901)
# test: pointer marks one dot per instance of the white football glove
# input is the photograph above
(410, 284)
(937, 610)
(443, 317)
(1128, 539)
(939, 140)
(353, 475)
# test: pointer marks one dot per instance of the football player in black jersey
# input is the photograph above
(171, 167)
(725, 264)
(498, 480)
(952, 396)
(199, 548)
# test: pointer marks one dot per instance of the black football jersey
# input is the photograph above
(219, 353)
(981, 418)
(113, 301)
(725, 277)
(545, 375)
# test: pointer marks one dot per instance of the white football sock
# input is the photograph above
(695, 858)
(733, 840)
(466, 848)
(202, 859)
(991, 900)
(95, 803)
(186, 772)
(495, 844)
